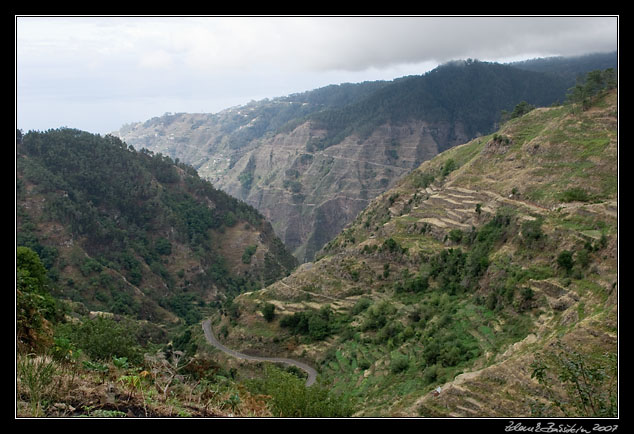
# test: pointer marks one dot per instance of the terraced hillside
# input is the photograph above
(463, 290)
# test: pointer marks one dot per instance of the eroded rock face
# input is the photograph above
(307, 194)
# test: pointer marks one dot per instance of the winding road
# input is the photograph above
(211, 338)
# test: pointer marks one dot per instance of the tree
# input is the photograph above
(521, 109)
(590, 86)
(35, 306)
(565, 260)
(318, 327)
(532, 231)
(269, 312)
(291, 398)
(249, 251)
(577, 384)
(166, 369)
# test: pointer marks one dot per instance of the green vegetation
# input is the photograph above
(436, 291)
(477, 92)
(135, 242)
(246, 176)
(268, 312)
(575, 194)
(127, 211)
(249, 251)
(291, 398)
(35, 306)
(62, 366)
(520, 110)
(589, 382)
(103, 338)
(315, 325)
(591, 85)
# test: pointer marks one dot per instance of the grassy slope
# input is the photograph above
(495, 327)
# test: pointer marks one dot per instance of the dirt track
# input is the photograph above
(211, 338)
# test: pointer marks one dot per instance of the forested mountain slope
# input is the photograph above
(133, 233)
(311, 162)
(486, 272)
(120, 254)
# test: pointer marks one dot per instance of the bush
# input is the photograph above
(588, 382)
(249, 251)
(316, 324)
(318, 327)
(361, 305)
(399, 364)
(449, 166)
(422, 179)
(532, 231)
(455, 235)
(163, 247)
(377, 316)
(291, 398)
(393, 246)
(269, 312)
(575, 194)
(102, 338)
(36, 377)
(34, 303)
(565, 261)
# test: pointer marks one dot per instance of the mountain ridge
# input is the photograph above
(132, 232)
(303, 154)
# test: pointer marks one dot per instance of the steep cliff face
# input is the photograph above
(310, 196)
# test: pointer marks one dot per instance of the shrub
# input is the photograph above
(575, 194)
(291, 398)
(455, 235)
(163, 247)
(565, 261)
(249, 251)
(377, 316)
(102, 338)
(422, 179)
(449, 166)
(399, 364)
(532, 231)
(269, 312)
(589, 383)
(35, 376)
(392, 246)
(361, 305)
(316, 324)
(34, 303)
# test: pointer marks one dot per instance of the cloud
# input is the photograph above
(221, 44)
(209, 63)
(355, 44)
(158, 59)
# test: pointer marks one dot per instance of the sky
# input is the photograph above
(97, 73)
